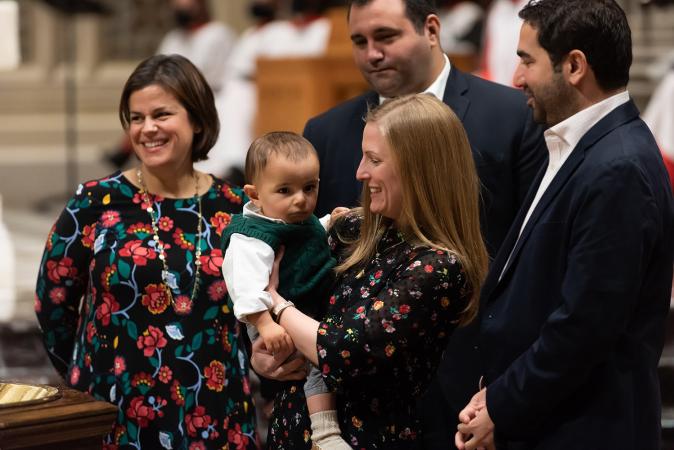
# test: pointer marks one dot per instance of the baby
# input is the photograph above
(283, 169)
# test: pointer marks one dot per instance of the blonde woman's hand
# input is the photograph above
(337, 213)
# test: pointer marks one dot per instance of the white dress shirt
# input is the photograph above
(562, 138)
(247, 266)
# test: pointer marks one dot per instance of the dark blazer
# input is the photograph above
(508, 149)
(507, 146)
(571, 335)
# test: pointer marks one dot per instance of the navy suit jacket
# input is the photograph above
(571, 335)
(508, 148)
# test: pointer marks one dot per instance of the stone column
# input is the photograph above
(87, 37)
(9, 35)
(7, 273)
(44, 31)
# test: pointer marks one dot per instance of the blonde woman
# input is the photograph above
(411, 263)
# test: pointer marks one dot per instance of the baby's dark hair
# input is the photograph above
(286, 143)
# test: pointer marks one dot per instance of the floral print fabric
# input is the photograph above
(176, 370)
(380, 344)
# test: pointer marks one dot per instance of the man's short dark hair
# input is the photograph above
(415, 10)
(179, 77)
(598, 28)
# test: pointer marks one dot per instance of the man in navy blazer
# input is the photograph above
(396, 47)
(572, 317)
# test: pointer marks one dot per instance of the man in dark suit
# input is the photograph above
(573, 310)
(396, 47)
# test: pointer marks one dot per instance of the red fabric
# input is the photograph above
(304, 20)
(669, 164)
(194, 27)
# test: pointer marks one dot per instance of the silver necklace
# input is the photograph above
(165, 274)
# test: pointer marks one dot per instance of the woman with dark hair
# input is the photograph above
(207, 43)
(129, 293)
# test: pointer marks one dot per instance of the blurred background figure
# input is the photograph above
(502, 31)
(461, 26)
(304, 34)
(9, 59)
(236, 102)
(205, 42)
(7, 272)
(197, 37)
(659, 115)
(9, 35)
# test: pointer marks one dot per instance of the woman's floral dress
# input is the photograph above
(176, 371)
(380, 344)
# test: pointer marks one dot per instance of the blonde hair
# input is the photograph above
(285, 143)
(440, 188)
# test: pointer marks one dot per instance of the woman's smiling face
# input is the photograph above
(378, 169)
(160, 128)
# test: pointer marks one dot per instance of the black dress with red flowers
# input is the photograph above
(175, 369)
(380, 344)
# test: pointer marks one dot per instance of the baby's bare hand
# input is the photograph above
(337, 213)
(276, 339)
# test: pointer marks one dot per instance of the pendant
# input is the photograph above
(169, 294)
(182, 305)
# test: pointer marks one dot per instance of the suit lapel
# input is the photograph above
(569, 167)
(371, 100)
(455, 90)
(497, 265)
(619, 116)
